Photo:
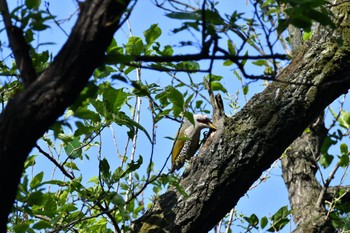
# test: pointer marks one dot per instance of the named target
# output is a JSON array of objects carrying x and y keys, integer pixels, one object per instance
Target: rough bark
[
  {"x": 299, "y": 166},
  {"x": 30, "y": 113},
  {"x": 248, "y": 143}
]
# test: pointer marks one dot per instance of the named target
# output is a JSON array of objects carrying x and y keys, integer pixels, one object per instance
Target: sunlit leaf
[
  {"x": 279, "y": 219},
  {"x": 152, "y": 34},
  {"x": 73, "y": 148},
  {"x": 36, "y": 181},
  {"x": 134, "y": 46}
]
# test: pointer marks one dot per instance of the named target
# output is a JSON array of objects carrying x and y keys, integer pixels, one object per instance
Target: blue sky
[{"x": 263, "y": 200}]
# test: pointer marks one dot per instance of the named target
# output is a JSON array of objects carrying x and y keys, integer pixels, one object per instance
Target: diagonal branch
[{"x": 248, "y": 143}]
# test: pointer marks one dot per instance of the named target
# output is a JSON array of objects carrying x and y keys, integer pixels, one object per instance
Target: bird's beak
[{"x": 211, "y": 126}]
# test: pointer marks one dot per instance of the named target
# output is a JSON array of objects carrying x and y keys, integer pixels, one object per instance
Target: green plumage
[{"x": 187, "y": 140}]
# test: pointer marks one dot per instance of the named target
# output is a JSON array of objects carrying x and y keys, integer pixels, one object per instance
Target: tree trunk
[
  {"x": 248, "y": 143},
  {"x": 299, "y": 166},
  {"x": 30, "y": 113}
]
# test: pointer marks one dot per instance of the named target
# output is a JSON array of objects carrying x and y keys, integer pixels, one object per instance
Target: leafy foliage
[{"x": 86, "y": 186}]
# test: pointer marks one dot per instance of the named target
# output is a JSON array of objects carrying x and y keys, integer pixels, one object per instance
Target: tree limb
[
  {"x": 30, "y": 113},
  {"x": 299, "y": 167},
  {"x": 248, "y": 143}
]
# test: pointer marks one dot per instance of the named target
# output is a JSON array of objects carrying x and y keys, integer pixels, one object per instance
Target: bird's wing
[
  {"x": 180, "y": 139},
  {"x": 178, "y": 144}
]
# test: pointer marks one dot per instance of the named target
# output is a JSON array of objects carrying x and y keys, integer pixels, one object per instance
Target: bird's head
[{"x": 202, "y": 121}]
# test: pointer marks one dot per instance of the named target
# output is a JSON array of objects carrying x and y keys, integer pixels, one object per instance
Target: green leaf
[
  {"x": 167, "y": 51},
  {"x": 117, "y": 174},
  {"x": 89, "y": 92},
  {"x": 177, "y": 99},
  {"x": 263, "y": 222},
  {"x": 152, "y": 34},
  {"x": 30, "y": 161},
  {"x": 326, "y": 160},
  {"x": 140, "y": 89},
  {"x": 344, "y": 149},
  {"x": 85, "y": 113},
  {"x": 41, "y": 224},
  {"x": 307, "y": 36},
  {"x": 133, "y": 166},
  {"x": 260, "y": 62},
  {"x": 279, "y": 219},
  {"x": 344, "y": 158},
  {"x": 344, "y": 161},
  {"x": 244, "y": 61},
  {"x": 84, "y": 129},
  {"x": 114, "y": 99},
  {"x": 245, "y": 89},
  {"x": 184, "y": 15},
  {"x": 231, "y": 48},
  {"x": 199, "y": 103},
  {"x": 36, "y": 181},
  {"x": 238, "y": 75},
  {"x": 33, "y": 4},
  {"x": 213, "y": 17},
  {"x": 21, "y": 228},
  {"x": 253, "y": 220},
  {"x": 73, "y": 148},
  {"x": 189, "y": 66},
  {"x": 56, "y": 182},
  {"x": 321, "y": 17},
  {"x": 228, "y": 63},
  {"x": 122, "y": 119},
  {"x": 100, "y": 107},
  {"x": 345, "y": 118},
  {"x": 134, "y": 46},
  {"x": 189, "y": 117},
  {"x": 217, "y": 86},
  {"x": 116, "y": 199},
  {"x": 71, "y": 165},
  {"x": 119, "y": 77},
  {"x": 105, "y": 168},
  {"x": 213, "y": 77},
  {"x": 35, "y": 198},
  {"x": 189, "y": 100},
  {"x": 68, "y": 208}
]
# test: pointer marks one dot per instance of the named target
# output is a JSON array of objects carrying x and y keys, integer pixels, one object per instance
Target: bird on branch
[{"x": 187, "y": 140}]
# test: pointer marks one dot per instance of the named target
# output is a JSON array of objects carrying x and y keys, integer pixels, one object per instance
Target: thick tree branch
[
  {"x": 248, "y": 143},
  {"x": 299, "y": 167},
  {"x": 30, "y": 113},
  {"x": 19, "y": 46}
]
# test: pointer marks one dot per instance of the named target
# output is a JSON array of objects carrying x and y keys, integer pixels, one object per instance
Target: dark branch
[
  {"x": 202, "y": 56},
  {"x": 60, "y": 167}
]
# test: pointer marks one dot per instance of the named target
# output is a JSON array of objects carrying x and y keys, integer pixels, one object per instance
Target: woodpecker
[{"x": 187, "y": 140}]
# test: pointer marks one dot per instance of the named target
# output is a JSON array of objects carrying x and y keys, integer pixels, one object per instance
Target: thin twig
[
  {"x": 60, "y": 167},
  {"x": 326, "y": 185},
  {"x": 230, "y": 221}
]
